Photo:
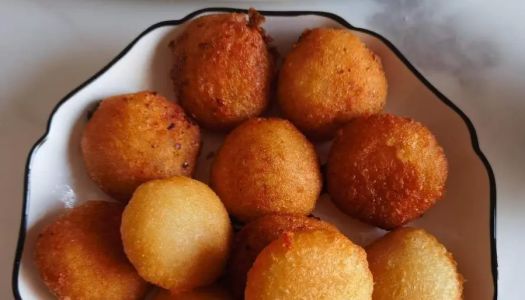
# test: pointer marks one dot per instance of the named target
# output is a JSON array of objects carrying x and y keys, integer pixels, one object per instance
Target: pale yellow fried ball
[
  {"x": 258, "y": 234},
  {"x": 411, "y": 264},
  {"x": 386, "y": 170},
  {"x": 266, "y": 166},
  {"x": 328, "y": 78},
  {"x": 213, "y": 292},
  {"x": 310, "y": 265},
  {"x": 80, "y": 256},
  {"x": 177, "y": 233},
  {"x": 133, "y": 138},
  {"x": 223, "y": 69}
]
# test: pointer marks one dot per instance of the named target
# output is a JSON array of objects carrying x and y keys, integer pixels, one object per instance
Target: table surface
[{"x": 472, "y": 51}]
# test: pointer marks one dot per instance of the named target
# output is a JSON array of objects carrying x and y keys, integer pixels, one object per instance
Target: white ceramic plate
[{"x": 463, "y": 220}]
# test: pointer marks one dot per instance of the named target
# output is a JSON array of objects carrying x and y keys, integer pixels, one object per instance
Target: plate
[{"x": 463, "y": 220}]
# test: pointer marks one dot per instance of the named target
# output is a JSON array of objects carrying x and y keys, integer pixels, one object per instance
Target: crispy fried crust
[
  {"x": 258, "y": 234},
  {"x": 133, "y": 138},
  {"x": 311, "y": 265},
  {"x": 386, "y": 170},
  {"x": 222, "y": 69},
  {"x": 80, "y": 255},
  {"x": 411, "y": 264},
  {"x": 328, "y": 78},
  {"x": 177, "y": 233},
  {"x": 266, "y": 166},
  {"x": 213, "y": 292}
]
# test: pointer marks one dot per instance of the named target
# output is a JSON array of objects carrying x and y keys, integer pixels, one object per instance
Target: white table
[{"x": 473, "y": 51}]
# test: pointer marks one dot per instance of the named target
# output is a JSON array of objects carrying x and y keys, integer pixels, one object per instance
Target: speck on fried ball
[
  {"x": 411, "y": 264},
  {"x": 133, "y": 138},
  {"x": 266, "y": 166},
  {"x": 177, "y": 233},
  {"x": 328, "y": 78},
  {"x": 80, "y": 255},
  {"x": 222, "y": 69}
]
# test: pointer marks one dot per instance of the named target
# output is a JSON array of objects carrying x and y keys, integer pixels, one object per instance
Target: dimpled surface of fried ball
[
  {"x": 411, "y": 264},
  {"x": 222, "y": 69},
  {"x": 133, "y": 138},
  {"x": 258, "y": 234},
  {"x": 80, "y": 255},
  {"x": 386, "y": 170},
  {"x": 266, "y": 166},
  {"x": 328, "y": 78},
  {"x": 177, "y": 233},
  {"x": 310, "y": 265},
  {"x": 213, "y": 292}
]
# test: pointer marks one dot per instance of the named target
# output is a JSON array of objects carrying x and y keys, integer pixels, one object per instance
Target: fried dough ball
[
  {"x": 80, "y": 255},
  {"x": 177, "y": 233},
  {"x": 213, "y": 292},
  {"x": 266, "y": 166},
  {"x": 328, "y": 78},
  {"x": 133, "y": 138},
  {"x": 320, "y": 264},
  {"x": 411, "y": 264},
  {"x": 258, "y": 234},
  {"x": 222, "y": 69},
  {"x": 386, "y": 170}
]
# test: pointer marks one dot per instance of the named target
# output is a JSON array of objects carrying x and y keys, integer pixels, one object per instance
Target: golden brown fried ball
[
  {"x": 80, "y": 255},
  {"x": 133, "y": 138},
  {"x": 410, "y": 264},
  {"x": 177, "y": 233},
  {"x": 328, "y": 78},
  {"x": 310, "y": 265},
  {"x": 386, "y": 170},
  {"x": 213, "y": 292},
  {"x": 258, "y": 234},
  {"x": 266, "y": 166},
  {"x": 223, "y": 69}
]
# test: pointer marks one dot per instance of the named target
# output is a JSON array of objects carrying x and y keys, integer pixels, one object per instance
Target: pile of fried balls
[{"x": 168, "y": 230}]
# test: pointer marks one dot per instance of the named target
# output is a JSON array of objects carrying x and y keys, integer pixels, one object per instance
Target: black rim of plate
[{"x": 340, "y": 20}]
